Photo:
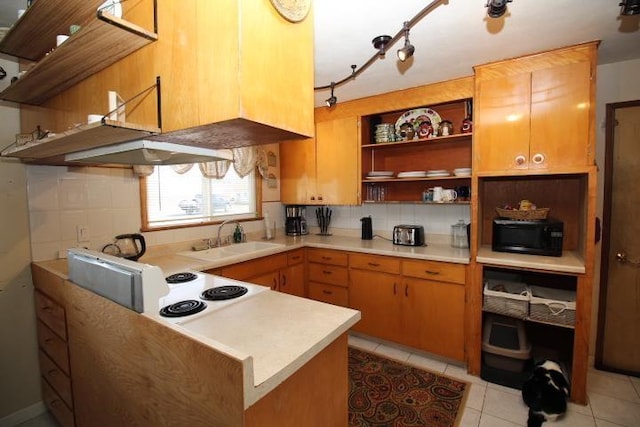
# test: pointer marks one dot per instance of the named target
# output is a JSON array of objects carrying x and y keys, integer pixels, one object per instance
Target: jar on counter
[{"x": 459, "y": 235}]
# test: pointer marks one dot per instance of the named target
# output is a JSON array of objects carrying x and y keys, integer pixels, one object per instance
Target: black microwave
[{"x": 539, "y": 237}]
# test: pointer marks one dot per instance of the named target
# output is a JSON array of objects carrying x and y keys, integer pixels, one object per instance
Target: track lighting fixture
[
  {"x": 331, "y": 101},
  {"x": 497, "y": 8},
  {"x": 630, "y": 7},
  {"x": 407, "y": 50},
  {"x": 380, "y": 43}
]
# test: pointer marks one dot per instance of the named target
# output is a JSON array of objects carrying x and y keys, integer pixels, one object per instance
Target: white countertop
[{"x": 172, "y": 263}]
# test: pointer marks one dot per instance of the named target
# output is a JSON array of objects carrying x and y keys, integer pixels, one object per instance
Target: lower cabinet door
[
  {"x": 292, "y": 280},
  {"x": 269, "y": 279},
  {"x": 377, "y": 297},
  {"x": 336, "y": 295},
  {"x": 433, "y": 316}
]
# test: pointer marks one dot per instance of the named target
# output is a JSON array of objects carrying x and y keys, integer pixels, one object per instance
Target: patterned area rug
[{"x": 387, "y": 393}]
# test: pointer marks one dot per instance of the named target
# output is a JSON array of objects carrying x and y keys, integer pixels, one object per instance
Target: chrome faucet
[{"x": 218, "y": 242}]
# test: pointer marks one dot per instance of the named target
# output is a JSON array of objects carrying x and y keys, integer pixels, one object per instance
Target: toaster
[{"x": 408, "y": 235}]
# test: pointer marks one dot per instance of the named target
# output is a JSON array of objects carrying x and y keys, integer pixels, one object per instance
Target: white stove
[
  {"x": 202, "y": 294},
  {"x": 145, "y": 289}
]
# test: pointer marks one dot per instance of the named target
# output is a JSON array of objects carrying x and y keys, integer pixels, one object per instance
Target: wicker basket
[
  {"x": 555, "y": 306},
  {"x": 540, "y": 213},
  {"x": 506, "y": 297}
]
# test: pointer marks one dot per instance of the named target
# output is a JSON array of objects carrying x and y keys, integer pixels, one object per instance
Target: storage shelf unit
[
  {"x": 83, "y": 137},
  {"x": 441, "y": 152},
  {"x": 95, "y": 47}
]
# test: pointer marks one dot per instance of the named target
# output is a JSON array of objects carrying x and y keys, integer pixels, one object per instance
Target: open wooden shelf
[
  {"x": 94, "y": 47},
  {"x": 83, "y": 137},
  {"x": 423, "y": 141}
]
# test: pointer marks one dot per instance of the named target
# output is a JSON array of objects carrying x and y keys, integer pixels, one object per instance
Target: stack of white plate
[
  {"x": 437, "y": 173},
  {"x": 412, "y": 174},
  {"x": 462, "y": 171},
  {"x": 385, "y": 132},
  {"x": 379, "y": 175}
]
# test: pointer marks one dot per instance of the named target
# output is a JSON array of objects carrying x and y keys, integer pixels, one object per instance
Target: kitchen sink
[{"x": 234, "y": 250}]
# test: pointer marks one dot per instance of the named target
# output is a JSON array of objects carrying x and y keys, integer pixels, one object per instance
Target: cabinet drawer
[
  {"x": 53, "y": 346},
  {"x": 51, "y": 313},
  {"x": 330, "y": 274},
  {"x": 255, "y": 267},
  {"x": 433, "y": 270},
  {"x": 56, "y": 405},
  {"x": 375, "y": 263},
  {"x": 48, "y": 283},
  {"x": 328, "y": 256},
  {"x": 56, "y": 378},
  {"x": 295, "y": 256},
  {"x": 335, "y": 295}
]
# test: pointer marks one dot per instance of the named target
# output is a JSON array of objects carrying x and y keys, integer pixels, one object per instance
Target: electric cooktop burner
[
  {"x": 181, "y": 277},
  {"x": 183, "y": 308},
  {"x": 223, "y": 292}
]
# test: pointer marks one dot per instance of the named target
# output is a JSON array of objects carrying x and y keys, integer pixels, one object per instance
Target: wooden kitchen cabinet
[
  {"x": 324, "y": 170},
  {"x": 328, "y": 276},
  {"x": 53, "y": 353},
  {"x": 282, "y": 272},
  {"x": 535, "y": 114},
  {"x": 291, "y": 279},
  {"x": 416, "y": 303}
]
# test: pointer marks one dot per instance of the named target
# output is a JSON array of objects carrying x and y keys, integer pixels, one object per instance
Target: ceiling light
[
  {"x": 630, "y": 7},
  {"x": 408, "y": 49},
  {"x": 331, "y": 101},
  {"x": 497, "y": 8}
]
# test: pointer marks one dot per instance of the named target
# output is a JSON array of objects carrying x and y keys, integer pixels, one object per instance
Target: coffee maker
[{"x": 295, "y": 221}]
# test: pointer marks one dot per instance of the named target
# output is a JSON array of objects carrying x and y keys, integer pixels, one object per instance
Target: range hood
[{"x": 145, "y": 152}]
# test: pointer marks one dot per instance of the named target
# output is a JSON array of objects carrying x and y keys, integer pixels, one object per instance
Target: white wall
[
  {"x": 19, "y": 384},
  {"x": 617, "y": 82}
]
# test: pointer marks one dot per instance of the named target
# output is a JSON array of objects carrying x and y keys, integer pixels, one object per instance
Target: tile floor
[{"x": 614, "y": 400}]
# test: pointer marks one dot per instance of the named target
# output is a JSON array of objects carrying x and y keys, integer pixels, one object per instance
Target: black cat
[{"x": 545, "y": 393}]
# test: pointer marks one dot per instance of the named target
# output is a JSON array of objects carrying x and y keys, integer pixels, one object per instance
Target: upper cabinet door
[
  {"x": 501, "y": 129},
  {"x": 560, "y": 116},
  {"x": 297, "y": 171},
  {"x": 338, "y": 162}
]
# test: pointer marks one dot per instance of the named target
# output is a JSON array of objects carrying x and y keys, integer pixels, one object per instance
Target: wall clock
[{"x": 292, "y": 10}]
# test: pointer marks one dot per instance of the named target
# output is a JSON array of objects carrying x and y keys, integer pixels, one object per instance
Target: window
[{"x": 171, "y": 200}]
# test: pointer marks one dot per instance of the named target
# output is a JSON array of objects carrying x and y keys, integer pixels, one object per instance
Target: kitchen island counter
[{"x": 262, "y": 351}]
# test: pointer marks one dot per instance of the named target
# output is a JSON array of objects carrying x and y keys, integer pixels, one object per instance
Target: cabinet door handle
[
  {"x": 406, "y": 290},
  {"x": 319, "y": 197},
  {"x": 538, "y": 158},
  {"x": 432, "y": 273},
  {"x": 275, "y": 284},
  {"x": 284, "y": 280},
  {"x": 520, "y": 160},
  {"x": 374, "y": 264},
  {"x": 326, "y": 258},
  {"x": 52, "y": 373},
  {"x": 394, "y": 287},
  {"x": 296, "y": 257},
  {"x": 326, "y": 272},
  {"x": 324, "y": 291}
]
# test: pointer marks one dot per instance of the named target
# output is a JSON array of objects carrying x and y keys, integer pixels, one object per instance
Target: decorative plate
[
  {"x": 417, "y": 117},
  {"x": 292, "y": 10}
]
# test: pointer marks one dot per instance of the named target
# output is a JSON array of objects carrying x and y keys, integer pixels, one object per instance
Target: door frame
[{"x": 610, "y": 126}]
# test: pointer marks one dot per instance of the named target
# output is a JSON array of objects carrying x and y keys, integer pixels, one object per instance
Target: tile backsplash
[{"x": 107, "y": 202}]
